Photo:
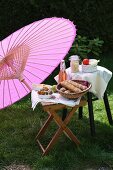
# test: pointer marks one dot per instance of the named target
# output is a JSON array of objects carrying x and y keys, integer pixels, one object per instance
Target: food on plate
[
  {"x": 45, "y": 90},
  {"x": 53, "y": 88},
  {"x": 42, "y": 92}
]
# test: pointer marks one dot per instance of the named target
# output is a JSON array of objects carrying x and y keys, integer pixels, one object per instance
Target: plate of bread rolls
[{"x": 72, "y": 89}]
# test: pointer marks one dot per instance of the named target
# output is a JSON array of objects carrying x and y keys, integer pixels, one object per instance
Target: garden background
[{"x": 18, "y": 128}]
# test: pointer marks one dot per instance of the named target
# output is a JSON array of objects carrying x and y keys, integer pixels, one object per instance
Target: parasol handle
[{"x": 23, "y": 81}]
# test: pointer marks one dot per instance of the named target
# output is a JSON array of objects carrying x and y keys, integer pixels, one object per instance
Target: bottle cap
[{"x": 74, "y": 57}]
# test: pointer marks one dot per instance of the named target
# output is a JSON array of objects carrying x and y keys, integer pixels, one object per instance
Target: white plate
[
  {"x": 38, "y": 87},
  {"x": 45, "y": 96}
]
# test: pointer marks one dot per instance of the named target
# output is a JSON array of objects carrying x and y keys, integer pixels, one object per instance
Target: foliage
[
  {"x": 85, "y": 47},
  {"x": 92, "y": 18}
]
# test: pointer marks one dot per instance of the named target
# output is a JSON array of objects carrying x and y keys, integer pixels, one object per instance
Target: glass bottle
[{"x": 62, "y": 73}]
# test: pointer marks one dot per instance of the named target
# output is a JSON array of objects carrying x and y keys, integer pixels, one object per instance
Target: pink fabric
[
  {"x": 13, "y": 64},
  {"x": 32, "y": 52}
]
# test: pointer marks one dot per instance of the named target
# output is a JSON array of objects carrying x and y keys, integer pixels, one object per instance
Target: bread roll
[
  {"x": 78, "y": 85},
  {"x": 62, "y": 89},
  {"x": 67, "y": 91},
  {"x": 70, "y": 87}
]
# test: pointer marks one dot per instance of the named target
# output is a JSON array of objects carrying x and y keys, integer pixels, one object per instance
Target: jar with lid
[
  {"x": 62, "y": 73},
  {"x": 74, "y": 63}
]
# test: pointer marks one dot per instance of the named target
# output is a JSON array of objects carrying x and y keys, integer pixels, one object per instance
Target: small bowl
[{"x": 89, "y": 68}]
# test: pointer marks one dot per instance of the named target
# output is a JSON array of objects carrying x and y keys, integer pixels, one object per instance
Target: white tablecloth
[
  {"x": 57, "y": 98},
  {"x": 99, "y": 79}
]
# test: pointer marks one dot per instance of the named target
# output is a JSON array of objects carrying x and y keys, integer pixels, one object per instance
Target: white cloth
[
  {"x": 57, "y": 98},
  {"x": 98, "y": 79}
]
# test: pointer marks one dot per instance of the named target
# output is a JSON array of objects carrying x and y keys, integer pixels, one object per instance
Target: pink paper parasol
[{"x": 30, "y": 55}]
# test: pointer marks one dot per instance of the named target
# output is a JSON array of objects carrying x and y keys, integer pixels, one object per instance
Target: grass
[{"x": 19, "y": 125}]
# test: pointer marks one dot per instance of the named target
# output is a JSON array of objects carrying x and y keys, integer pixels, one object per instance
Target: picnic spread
[{"x": 69, "y": 93}]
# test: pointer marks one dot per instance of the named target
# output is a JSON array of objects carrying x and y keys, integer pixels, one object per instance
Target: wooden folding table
[{"x": 52, "y": 110}]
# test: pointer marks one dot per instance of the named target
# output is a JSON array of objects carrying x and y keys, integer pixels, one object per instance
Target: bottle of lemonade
[{"x": 62, "y": 73}]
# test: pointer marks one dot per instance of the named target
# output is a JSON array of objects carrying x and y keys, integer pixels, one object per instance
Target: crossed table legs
[{"x": 52, "y": 111}]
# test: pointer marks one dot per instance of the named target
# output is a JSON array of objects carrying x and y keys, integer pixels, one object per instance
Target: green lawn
[{"x": 19, "y": 125}]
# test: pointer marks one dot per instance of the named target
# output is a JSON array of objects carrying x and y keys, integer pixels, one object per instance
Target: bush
[
  {"x": 87, "y": 48},
  {"x": 93, "y": 18}
]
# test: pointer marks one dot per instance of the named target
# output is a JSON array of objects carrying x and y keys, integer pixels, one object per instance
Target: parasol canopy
[{"x": 30, "y": 55}]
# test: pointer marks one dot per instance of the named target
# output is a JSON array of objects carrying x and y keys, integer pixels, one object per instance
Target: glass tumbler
[{"x": 74, "y": 63}]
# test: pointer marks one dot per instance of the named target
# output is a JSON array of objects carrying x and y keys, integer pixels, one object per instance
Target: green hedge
[{"x": 93, "y": 18}]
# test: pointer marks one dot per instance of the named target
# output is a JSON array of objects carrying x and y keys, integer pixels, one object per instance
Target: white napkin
[{"x": 57, "y": 98}]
